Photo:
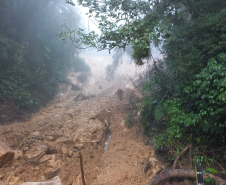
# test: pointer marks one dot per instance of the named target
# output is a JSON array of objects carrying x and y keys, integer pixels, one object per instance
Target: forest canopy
[{"x": 33, "y": 59}]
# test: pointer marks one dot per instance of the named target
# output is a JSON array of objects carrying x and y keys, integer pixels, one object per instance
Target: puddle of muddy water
[{"x": 108, "y": 136}]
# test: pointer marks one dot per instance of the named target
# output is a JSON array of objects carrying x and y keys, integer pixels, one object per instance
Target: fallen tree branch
[
  {"x": 82, "y": 171},
  {"x": 178, "y": 157},
  {"x": 181, "y": 173}
]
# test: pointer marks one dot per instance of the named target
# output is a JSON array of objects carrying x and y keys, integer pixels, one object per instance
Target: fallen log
[{"x": 180, "y": 173}]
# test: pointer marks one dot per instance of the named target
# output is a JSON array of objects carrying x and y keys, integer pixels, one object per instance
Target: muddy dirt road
[{"x": 91, "y": 120}]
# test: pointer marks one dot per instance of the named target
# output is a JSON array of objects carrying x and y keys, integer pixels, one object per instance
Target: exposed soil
[{"x": 47, "y": 144}]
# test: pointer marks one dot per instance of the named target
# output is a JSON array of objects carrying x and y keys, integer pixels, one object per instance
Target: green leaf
[{"x": 212, "y": 170}]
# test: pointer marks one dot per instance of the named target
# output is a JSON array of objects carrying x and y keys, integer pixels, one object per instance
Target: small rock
[
  {"x": 33, "y": 153},
  {"x": 54, "y": 137},
  {"x": 43, "y": 177},
  {"x": 47, "y": 157},
  {"x": 56, "y": 181},
  {"x": 50, "y": 138},
  {"x": 64, "y": 150},
  {"x": 79, "y": 146},
  {"x": 37, "y": 168},
  {"x": 153, "y": 162},
  {"x": 25, "y": 149},
  {"x": 18, "y": 154},
  {"x": 43, "y": 148},
  {"x": 70, "y": 153},
  {"x": 36, "y": 135},
  {"x": 65, "y": 140},
  {"x": 6, "y": 154}
]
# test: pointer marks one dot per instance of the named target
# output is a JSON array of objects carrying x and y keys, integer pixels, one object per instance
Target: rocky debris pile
[
  {"x": 6, "y": 154},
  {"x": 48, "y": 144}
]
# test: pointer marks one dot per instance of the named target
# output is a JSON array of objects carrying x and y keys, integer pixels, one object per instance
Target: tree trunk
[{"x": 180, "y": 173}]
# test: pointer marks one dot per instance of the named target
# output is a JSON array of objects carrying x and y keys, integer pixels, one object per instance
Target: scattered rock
[
  {"x": 64, "y": 150},
  {"x": 70, "y": 153},
  {"x": 32, "y": 153},
  {"x": 79, "y": 146},
  {"x": 56, "y": 181},
  {"x": 50, "y": 138},
  {"x": 18, "y": 154},
  {"x": 54, "y": 137},
  {"x": 25, "y": 149},
  {"x": 65, "y": 140},
  {"x": 6, "y": 154},
  {"x": 37, "y": 168},
  {"x": 43, "y": 148},
  {"x": 51, "y": 162},
  {"x": 36, "y": 135},
  {"x": 153, "y": 162}
]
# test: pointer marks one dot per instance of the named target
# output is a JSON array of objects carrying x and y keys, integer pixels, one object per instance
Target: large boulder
[
  {"x": 55, "y": 181},
  {"x": 6, "y": 153}
]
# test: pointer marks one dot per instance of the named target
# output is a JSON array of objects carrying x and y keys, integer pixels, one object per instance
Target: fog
[{"x": 99, "y": 60}]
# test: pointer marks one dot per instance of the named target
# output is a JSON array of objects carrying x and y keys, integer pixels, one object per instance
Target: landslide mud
[{"x": 68, "y": 125}]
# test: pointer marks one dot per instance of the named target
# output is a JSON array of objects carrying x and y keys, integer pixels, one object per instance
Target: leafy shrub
[{"x": 204, "y": 105}]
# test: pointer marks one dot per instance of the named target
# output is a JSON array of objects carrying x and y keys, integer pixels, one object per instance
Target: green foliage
[
  {"x": 204, "y": 101},
  {"x": 140, "y": 53},
  {"x": 159, "y": 112},
  {"x": 33, "y": 61},
  {"x": 209, "y": 180},
  {"x": 212, "y": 170}
]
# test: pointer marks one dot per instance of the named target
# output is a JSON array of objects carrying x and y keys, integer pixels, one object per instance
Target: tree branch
[
  {"x": 177, "y": 158},
  {"x": 181, "y": 173}
]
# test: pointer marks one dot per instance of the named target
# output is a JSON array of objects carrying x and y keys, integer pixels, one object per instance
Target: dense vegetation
[
  {"x": 186, "y": 88},
  {"x": 33, "y": 59}
]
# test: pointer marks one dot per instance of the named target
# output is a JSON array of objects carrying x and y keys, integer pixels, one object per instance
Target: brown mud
[{"x": 48, "y": 143}]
